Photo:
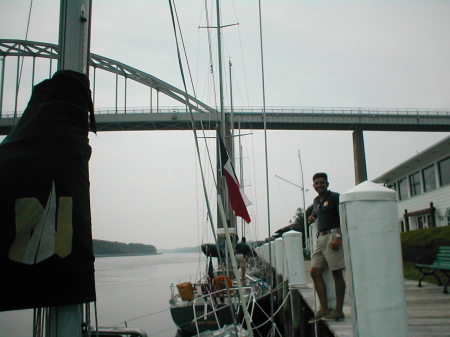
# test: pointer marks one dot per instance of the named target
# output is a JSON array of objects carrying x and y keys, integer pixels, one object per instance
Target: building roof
[{"x": 420, "y": 160}]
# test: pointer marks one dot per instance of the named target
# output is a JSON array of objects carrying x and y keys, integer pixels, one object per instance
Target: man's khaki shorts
[
  {"x": 324, "y": 255},
  {"x": 241, "y": 260}
]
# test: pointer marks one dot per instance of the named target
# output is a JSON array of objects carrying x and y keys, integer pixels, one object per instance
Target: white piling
[
  {"x": 279, "y": 256},
  {"x": 272, "y": 258},
  {"x": 373, "y": 258},
  {"x": 265, "y": 252},
  {"x": 294, "y": 259},
  {"x": 285, "y": 270}
]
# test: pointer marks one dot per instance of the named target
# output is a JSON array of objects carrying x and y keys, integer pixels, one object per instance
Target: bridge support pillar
[{"x": 359, "y": 157}]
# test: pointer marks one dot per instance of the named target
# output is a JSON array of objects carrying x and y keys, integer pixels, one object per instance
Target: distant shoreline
[
  {"x": 131, "y": 254},
  {"x": 114, "y": 248}
]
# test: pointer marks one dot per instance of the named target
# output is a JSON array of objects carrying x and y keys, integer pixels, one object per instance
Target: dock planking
[{"x": 428, "y": 311}]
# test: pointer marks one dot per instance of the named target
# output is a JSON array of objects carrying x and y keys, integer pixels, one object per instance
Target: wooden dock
[{"x": 428, "y": 310}]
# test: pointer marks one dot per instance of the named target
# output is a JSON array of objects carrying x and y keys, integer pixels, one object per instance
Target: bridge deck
[{"x": 284, "y": 120}]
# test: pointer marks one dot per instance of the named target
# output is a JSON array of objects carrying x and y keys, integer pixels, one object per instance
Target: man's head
[
  {"x": 243, "y": 239},
  {"x": 320, "y": 182}
]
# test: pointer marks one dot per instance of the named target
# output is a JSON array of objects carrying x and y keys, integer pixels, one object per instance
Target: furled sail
[{"x": 46, "y": 254}]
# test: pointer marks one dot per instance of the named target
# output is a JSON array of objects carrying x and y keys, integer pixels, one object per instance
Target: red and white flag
[{"x": 238, "y": 200}]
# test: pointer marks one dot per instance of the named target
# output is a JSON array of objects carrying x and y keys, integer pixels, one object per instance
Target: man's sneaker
[{"x": 333, "y": 316}]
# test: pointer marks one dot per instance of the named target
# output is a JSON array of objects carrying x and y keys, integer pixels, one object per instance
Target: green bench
[{"x": 441, "y": 262}]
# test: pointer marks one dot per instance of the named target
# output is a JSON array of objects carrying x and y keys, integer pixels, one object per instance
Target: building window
[
  {"x": 415, "y": 184},
  {"x": 402, "y": 189},
  {"x": 444, "y": 171},
  {"x": 429, "y": 178},
  {"x": 420, "y": 222},
  {"x": 448, "y": 217}
]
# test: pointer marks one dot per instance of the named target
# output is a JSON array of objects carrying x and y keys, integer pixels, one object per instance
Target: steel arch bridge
[
  {"x": 177, "y": 118},
  {"x": 22, "y": 48}
]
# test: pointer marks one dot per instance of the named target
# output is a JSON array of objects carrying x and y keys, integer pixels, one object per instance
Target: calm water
[{"x": 134, "y": 289}]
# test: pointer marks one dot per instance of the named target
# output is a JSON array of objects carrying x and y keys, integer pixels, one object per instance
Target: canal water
[{"x": 131, "y": 290}]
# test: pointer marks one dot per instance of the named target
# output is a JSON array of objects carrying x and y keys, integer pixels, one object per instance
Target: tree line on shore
[{"x": 102, "y": 247}]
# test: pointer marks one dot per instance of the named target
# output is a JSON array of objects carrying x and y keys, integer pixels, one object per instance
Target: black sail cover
[{"x": 46, "y": 253}]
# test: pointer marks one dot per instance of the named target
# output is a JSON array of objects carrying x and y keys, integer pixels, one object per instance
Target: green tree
[{"x": 298, "y": 222}]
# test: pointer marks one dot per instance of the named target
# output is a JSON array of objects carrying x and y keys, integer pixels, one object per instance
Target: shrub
[{"x": 423, "y": 243}]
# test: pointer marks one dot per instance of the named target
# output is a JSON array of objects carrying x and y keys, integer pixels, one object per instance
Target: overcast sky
[{"x": 145, "y": 186}]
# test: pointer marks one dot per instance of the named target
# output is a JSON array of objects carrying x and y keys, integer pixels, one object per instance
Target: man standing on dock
[{"x": 328, "y": 250}]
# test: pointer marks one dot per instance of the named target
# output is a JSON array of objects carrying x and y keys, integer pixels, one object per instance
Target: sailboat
[{"x": 217, "y": 303}]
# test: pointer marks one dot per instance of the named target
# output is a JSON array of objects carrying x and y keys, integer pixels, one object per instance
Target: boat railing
[{"x": 210, "y": 298}]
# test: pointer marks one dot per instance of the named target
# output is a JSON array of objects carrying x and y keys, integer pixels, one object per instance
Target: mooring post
[
  {"x": 279, "y": 257},
  {"x": 373, "y": 258},
  {"x": 283, "y": 283},
  {"x": 279, "y": 266},
  {"x": 296, "y": 275}
]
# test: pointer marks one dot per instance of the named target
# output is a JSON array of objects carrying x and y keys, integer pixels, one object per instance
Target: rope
[
  {"x": 242, "y": 57},
  {"x": 140, "y": 317},
  {"x": 21, "y": 64},
  {"x": 192, "y": 83},
  {"x": 210, "y": 54},
  {"x": 26, "y": 37},
  {"x": 275, "y": 313},
  {"x": 265, "y": 145},
  {"x": 184, "y": 49},
  {"x": 194, "y": 130}
]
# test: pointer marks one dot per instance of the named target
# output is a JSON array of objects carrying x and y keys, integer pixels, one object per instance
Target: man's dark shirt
[
  {"x": 242, "y": 248},
  {"x": 327, "y": 211}
]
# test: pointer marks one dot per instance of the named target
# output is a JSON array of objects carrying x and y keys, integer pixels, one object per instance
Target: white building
[{"x": 423, "y": 187}]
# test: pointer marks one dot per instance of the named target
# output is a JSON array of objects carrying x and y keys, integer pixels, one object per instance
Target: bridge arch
[{"x": 22, "y": 48}]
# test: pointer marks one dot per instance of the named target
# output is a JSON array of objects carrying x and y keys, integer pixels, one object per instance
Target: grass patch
[{"x": 422, "y": 244}]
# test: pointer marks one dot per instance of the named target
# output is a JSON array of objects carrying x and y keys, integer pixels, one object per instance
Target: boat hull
[{"x": 183, "y": 317}]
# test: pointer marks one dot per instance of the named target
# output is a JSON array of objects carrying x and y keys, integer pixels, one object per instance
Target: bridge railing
[
  {"x": 269, "y": 110},
  {"x": 285, "y": 109}
]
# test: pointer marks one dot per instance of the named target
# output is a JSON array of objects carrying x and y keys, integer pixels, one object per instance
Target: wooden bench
[{"x": 441, "y": 262}]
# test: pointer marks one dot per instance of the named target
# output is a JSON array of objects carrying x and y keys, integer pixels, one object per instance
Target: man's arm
[{"x": 313, "y": 216}]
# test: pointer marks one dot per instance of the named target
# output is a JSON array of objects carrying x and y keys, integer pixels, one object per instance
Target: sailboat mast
[
  {"x": 231, "y": 108},
  {"x": 224, "y": 128},
  {"x": 230, "y": 143},
  {"x": 221, "y": 213},
  {"x": 219, "y": 55},
  {"x": 74, "y": 35},
  {"x": 74, "y": 44},
  {"x": 221, "y": 126}
]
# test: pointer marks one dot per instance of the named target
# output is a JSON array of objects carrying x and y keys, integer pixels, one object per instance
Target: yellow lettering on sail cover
[
  {"x": 29, "y": 211},
  {"x": 63, "y": 242}
]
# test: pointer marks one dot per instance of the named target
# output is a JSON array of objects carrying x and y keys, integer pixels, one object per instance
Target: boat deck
[{"x": 428, "y": 310}]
